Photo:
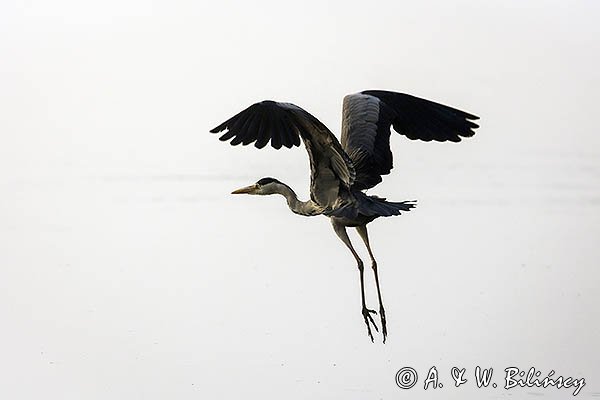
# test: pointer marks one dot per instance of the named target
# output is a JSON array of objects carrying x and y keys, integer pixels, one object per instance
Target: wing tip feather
[{"x": 218, "y": 129}]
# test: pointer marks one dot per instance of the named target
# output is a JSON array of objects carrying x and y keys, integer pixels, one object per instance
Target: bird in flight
[{"x": 341, "y": 172}]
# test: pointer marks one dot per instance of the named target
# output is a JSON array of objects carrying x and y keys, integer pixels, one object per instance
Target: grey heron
[{"x": 342, "y": 171}]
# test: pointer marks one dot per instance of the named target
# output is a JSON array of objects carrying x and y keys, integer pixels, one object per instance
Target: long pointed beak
[{"x": 245, "y": 190}]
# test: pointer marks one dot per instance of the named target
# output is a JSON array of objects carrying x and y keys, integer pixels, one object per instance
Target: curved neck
[{"x": 306, "y": 208}]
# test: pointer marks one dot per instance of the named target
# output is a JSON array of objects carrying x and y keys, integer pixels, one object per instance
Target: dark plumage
[
  {"x": 341, "y": 171},
  {"x": 369, "y": 115},
  {"x": 267, "y": 180}
]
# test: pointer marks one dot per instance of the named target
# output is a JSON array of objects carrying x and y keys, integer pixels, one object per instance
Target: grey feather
[
  {"x": 285, "y": 124},
  {"x": 368, "y": 116}
]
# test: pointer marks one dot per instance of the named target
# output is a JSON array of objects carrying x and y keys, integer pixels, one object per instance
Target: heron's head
[{"x": 263, "y": 187}]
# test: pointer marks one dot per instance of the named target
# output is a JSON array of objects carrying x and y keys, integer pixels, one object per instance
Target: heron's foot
[
  {"x": 383, "y": 326},
  {"x": 369, "y": 320}
]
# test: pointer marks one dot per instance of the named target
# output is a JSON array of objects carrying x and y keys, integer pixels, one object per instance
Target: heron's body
[
  {"x": 352, "y": 222},
  {"x": 341, "y": 171}
]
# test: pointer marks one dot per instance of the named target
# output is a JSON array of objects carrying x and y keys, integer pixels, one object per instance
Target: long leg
[
  {"x": 362, "y": 231},
  {"x": 340, "y": 230}
]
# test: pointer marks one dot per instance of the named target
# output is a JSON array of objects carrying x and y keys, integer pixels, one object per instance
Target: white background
[{"x": 127, "y": 271}]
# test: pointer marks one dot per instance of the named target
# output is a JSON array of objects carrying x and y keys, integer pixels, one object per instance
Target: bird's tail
[
  {"x": 374, "y": 205},
  {"x": 389, "y": 208},
  {"x": 406, "y": 205},
  {"x": 371, "y": 206}
]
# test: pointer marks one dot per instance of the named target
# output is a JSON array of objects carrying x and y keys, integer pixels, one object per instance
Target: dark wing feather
[
  {"x": 369, "y": 115},
  {"x": 284, "y": 124}
]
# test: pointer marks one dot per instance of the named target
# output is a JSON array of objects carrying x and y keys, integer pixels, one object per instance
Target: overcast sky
[{"x": 135, "y": 85}]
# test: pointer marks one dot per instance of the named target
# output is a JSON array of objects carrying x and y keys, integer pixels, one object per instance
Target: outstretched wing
[
  {"x": 368, "y": 116},
  {"x": 284, "y": 124}
]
